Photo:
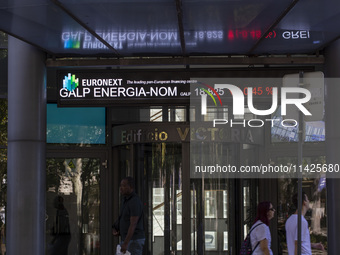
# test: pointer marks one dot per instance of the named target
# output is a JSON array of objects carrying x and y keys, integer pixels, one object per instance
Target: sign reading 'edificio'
[{"x": 117, "y": 88}]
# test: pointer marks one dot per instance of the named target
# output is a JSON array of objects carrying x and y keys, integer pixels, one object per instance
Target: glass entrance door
[
  {"x": 72, "y": 206},
  {"x": 213, "y": 206},
  {"x": 222, "y": 208},
  {"x": 216, "y": 209},
  {"x": 157, "y": 168},
  {"x": 211, "y": 216}
]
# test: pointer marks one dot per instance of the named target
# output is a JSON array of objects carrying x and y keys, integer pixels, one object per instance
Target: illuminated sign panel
[
  {"x": 145, "y": 40},
  {"x": 136, "y": 39},
  {"x": 112, "y": 87}
]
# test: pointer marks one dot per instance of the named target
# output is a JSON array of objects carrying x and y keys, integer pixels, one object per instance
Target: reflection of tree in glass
[
  {"x": 54, "y": 172},
  {"x": 3, "y": 39},
  {"x": 79, "y": 177},
  {"x": 3, "y": 122},
  {"x": 3, "y": 184},
  {"x": 165, "y": 172},
  {"x": 90, "y": 195},
  {"x": 3, "y": 136},
  {"x": 3, "y": 52},
  {"x": 3, "y": 155}
]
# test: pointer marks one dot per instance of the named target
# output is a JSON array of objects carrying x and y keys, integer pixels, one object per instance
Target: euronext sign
[{"x": 112, "y": 87}]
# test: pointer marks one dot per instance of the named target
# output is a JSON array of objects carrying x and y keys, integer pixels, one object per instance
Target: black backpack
[{"x": 246, "y": 245}]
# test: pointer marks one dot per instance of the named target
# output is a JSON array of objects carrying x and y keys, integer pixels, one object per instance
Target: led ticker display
[
  {"x": 137, "y": 39},
  {"x": 144, "y": 40},
  {"x": 110, "y": 87},
  {"x": 274, "y": 34},
  {"x": 259, "y": 91},
  {"x": 244, "y": 34}
]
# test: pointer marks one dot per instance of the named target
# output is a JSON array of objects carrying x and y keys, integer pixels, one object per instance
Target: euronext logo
[{"x": 70, "y": 82}]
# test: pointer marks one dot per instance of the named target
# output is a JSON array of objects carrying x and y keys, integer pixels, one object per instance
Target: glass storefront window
[
  {"x": 225, "y": 204},
  {"x": 159, "y": 213},
  {"x": 247, "y": 115},
  {"x": 216, "y": 113},
  {"x": 315, "y": 188},
  {"x": 160, "y": 189},
  {"x": 192, "y": 113},
  {"x": 75, "y": 125},
  {"x": 177, "y": 114},
  {"x": 72, "y": 205},
  {"x": 210, "y": 221},
  {"x": 126, "y": 115},
  {"x": 210, "y": 207},
  {"x": 314, "y": 130},
  {"x": 156, "y": 114}
]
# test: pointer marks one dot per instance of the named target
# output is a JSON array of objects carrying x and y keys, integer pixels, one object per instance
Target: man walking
[
  {"x": 130, "y": 223},
  {"x": 292, "y": 230}
]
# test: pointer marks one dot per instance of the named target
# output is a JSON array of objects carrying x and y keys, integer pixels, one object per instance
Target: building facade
[{"x": 62, "y": 142}]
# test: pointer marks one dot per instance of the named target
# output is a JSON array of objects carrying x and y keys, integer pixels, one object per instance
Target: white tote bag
[{"x": 118, "y": 252}]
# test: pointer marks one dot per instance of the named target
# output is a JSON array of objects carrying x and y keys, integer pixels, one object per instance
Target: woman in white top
[{"x": 260, "y": 234}]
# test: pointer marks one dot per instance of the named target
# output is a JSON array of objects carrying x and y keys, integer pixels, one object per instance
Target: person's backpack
[{"x": 246, "y": 245}]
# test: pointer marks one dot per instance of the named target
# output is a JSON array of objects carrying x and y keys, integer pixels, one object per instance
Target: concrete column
[
  {"x": 332, "y": 104},
  {"x": 26, "y": 165}
]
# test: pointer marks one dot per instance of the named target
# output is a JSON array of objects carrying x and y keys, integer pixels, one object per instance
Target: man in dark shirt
[{"x": 130, "y": 222}]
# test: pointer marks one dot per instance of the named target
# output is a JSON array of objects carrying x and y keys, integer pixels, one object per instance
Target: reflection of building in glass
[
  {"x": 314, "y": 131},
  {"x": 316, "y": 216}
]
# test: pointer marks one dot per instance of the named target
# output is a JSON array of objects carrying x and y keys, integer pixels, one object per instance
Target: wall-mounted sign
[
  {"x": 175, "y": 132},
  {"x": 111, "y": 87}
]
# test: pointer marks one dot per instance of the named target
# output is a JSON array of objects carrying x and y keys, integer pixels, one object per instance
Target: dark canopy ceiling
[{"x": 126, "y": 28}]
